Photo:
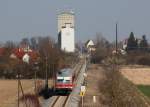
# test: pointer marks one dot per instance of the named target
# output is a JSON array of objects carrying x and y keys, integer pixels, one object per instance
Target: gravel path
[{"x": 95, "y": 78}]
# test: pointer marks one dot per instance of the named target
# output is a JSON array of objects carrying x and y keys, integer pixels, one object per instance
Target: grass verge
[{"x": 145, "y": 89}]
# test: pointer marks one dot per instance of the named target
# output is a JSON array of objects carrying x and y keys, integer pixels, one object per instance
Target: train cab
[{"x": 64, "y": 80}]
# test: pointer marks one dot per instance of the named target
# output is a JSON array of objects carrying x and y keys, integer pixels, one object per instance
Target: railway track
[{"x": 61, "y": 101}]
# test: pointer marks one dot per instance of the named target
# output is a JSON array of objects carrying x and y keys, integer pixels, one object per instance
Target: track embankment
[
  {"x": 94, "y": 96},
  {"x": 107, "y": 87},
  {"x": 121, "y": 91}
]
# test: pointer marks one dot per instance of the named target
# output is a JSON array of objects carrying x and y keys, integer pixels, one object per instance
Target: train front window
[
  {"x": 63, "y": 81},
  {"x": 66, "y": 81},
  {"x": 60, "y": 80}
]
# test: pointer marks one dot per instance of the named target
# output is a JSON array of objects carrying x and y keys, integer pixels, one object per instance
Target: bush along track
[{"x": 120, "y": 91}]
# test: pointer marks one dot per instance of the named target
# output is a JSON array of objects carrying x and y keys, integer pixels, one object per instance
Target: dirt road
[
  {"x": 112, "y": 90},
  {"x": 95, "y": 78}
]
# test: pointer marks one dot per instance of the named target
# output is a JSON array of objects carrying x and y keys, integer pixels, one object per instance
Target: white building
[
  {"x": 66, "y": 31},
  {"x": 65, "y": 17},
  {"x": 66, "y": 39},
  {"x": 90, "y": 45},
  {"x": 124, "y": 44}
]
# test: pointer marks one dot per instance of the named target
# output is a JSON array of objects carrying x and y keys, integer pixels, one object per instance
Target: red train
[{"x": 64, "y": 80}]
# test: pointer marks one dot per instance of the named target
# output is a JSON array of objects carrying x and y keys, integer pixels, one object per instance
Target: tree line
[
  {"x": 137, "y": 44},
  {"x": 137, "y": 50},
  {"x": 48, "y": 57}
]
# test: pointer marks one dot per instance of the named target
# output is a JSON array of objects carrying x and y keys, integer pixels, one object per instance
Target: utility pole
[
  {"x": 46, "y": 81},
  {"x": 116, "y": 38},
  {"x": 54, "y": 75},
  {"x": 117, "y": 53},
  {"x": 36, "y": 68},
  {"x": 18, "y": 88}
]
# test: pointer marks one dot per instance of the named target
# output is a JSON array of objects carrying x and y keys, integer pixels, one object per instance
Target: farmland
[
  {"x": 145, "y": 89},
  {"x": 8, "y": 89},
  {"x": 139, "y": 76}
]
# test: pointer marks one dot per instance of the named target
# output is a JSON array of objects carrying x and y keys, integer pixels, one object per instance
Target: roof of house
[
  {"x": 2, "y": 50},
  {"x": 89, "y": 42},
  {"x": 20, "y": 53}
]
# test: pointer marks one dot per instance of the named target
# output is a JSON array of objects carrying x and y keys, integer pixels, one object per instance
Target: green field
[{"x": 145, "y": 89}]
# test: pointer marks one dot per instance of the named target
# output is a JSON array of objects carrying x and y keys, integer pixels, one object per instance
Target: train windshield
[
  {"x": 65, "y": 73},
  {"x": 59, "y": 80},
  {"x": 67, "y": 81},
  {"x": 63, "y": 81}
]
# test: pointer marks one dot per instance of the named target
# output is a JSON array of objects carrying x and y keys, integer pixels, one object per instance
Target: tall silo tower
[
  {"x": 65, "y": 17},
  {"x": 66, "y": 31}
]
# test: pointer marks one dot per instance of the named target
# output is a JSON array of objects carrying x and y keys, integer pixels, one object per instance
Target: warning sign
[
  {"x": 82, "y": 92},
  {"x": 82, "y": 88}
]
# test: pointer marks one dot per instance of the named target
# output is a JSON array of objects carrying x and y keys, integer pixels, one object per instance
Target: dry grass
[
  {"x": 8, "y": 89},
  {"x": 30, "y": 100},
  {"x": 122, "y": 93},
  {"x": 139, "y": 76},
  {"x": 95, "y": 78},
  {"x": 111, "y": 89}
]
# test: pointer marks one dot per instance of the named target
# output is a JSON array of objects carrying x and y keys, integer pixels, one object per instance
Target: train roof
[{"x": 65, "y": 72}]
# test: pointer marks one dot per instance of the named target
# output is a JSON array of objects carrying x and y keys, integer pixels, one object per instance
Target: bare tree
[{"x": 102, "y": 49}]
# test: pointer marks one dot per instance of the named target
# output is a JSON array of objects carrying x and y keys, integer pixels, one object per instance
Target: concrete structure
[
  {"x": 65, "y": 17},
  {"x": 66, "y": 34},
  {"x": 66, "y": 39}
]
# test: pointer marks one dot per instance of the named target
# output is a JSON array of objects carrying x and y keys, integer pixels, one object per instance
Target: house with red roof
[
  {"x": 20, "y": 52},
  {"x": 2, "y": 51}
]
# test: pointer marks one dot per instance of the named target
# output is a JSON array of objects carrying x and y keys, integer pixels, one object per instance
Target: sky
[{"x": 28, "y": 18}]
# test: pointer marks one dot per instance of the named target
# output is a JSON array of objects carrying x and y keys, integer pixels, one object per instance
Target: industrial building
[
  {"x": 65, "y": 17},
  {"x": 66, "y": 33}
]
